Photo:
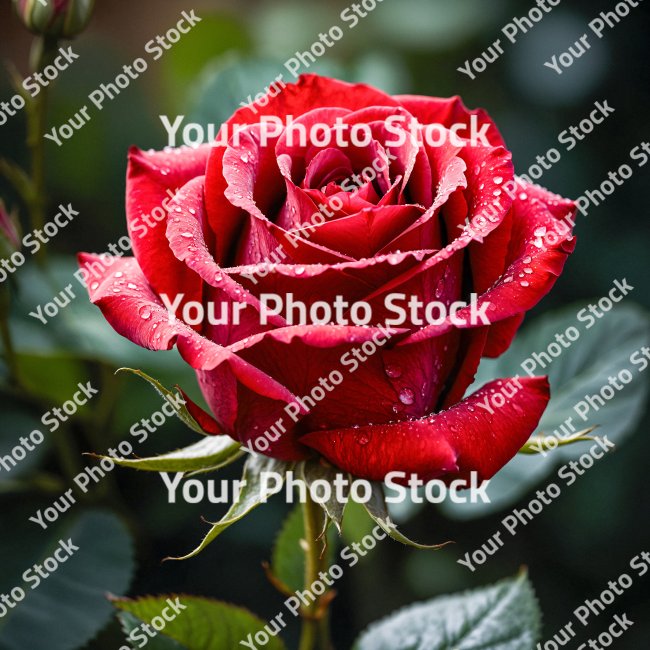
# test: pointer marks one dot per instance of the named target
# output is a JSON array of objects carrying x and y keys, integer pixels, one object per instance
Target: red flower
[{"x": 438, "y": 223}]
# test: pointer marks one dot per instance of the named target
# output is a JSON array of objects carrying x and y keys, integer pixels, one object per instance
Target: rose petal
[
  {"x": 186, "y": 241},
  {"x": 134, "y": 311},
  {"x": 435, "y": 110},
  {"x": 363, "y": 234},
  {"x": 152, "y": 180},
  {"x": 501, "y": 334},
  {"x": 464, "y": 439}
]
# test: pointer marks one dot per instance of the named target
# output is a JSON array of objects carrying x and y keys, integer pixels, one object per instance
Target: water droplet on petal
[
  {"x": 406, "y": 396},
  {"x": 192, "y": 211},
  {"x": 119, "y": 274},
  {"x": 529, "y": 271},
  {"x": 496, "y": 192},
  {"x": 94, "y": 285},
  {"x": 523, "y": 283},
  {"x": 470, "y": 409},
  {"x": 244, "y": 158},
  {"x": 394, "y": 370},
  {"x": 540, "y": 232},
  {"x": 187, "y": 235},
  {"x": 145, "y": 312},
  {"x": 440, "y": 288},
  {"x": 498, "y": 180},
  {"x": 508, "y": 279},
  {"x": 132, "y": 286},
  {"x": 523, "y": 196},
  {"x": 527, "y": 260},
  {"x": 300, "y": 270}
]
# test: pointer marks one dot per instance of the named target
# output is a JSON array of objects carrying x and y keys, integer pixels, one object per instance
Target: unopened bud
[{"x": 57, "y": 18}]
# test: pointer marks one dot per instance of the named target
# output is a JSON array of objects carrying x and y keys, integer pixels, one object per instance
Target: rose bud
[
  {"x": 9, "y": 232},
  {"x": 58, "y": 18},
  {"x": 346, "y": 195}
]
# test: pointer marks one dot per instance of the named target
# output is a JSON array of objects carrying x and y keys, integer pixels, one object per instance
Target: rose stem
[{"x": 315, "y": 633}]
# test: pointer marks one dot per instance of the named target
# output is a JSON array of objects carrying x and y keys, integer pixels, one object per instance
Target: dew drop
[
  {"x": 523, "y": 196},
  {"x": 119, "y": 274},
  {"x": 540, "y": 232},
  {"x": 527, "y": 260},
  {"x": 300, "y": 270},
  {"x": 524, "y": 283},
  {"x": 94, "y": 285},
  {"x": 470, "y": 409},
  {"x": 440, "y": 288},
  {"x": 498, "y": 180},
  {"x": 508, "y": 279},
  {"x": 187, "y": 235},
  {"x": 406, "y": 396},
  {"x": 529, "y": 271},
  {"x": 496, "y": 192},
  {"x": 145, "y": 313},
  {"x": 394, "y": 370},
  {"x": 398, "y": 408},
  {"x": 192, "y": 211},
  {"x": 244, "y": 158},
  {"x": 132, "y": 286},
  {"x": 179, "y": 209}
]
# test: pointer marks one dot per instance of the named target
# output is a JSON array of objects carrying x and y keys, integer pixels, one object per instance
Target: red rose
[{"x": 442, "y": 219}]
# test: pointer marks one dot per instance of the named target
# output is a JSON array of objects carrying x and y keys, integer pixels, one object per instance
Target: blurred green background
[{"x": 404, "y": 46}]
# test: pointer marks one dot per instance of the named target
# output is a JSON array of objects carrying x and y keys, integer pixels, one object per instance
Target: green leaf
[
  {"x": 314, "y": 470},
  {"x": 288, "y": 561},
  {"x": 211, "y": 453},
  {"x": 204, "y": 624},
  {"x": 69, "y": 607},
  {"x": 250, "y": 496},
  {"x": 504, "y": 616},
  {"x": 173, "y": 398},
  {"x": 600, "y": 352},
  {"x": 378, "y": 510},
  {"x": 159, "y": 642}
]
